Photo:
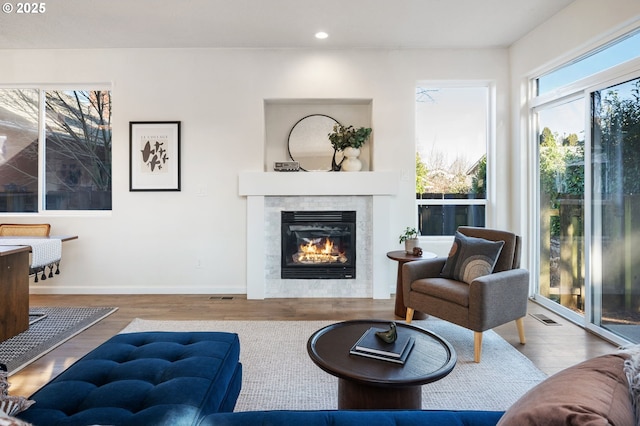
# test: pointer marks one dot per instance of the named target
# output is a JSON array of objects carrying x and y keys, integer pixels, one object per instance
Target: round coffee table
[{"x": 366, "y": 383}]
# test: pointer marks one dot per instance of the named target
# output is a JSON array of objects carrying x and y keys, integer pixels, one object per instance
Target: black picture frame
[{"x": 154, "y": 156}]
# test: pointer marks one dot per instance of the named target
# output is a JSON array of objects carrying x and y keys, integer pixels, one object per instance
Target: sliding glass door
[
  {"x": 615, "y": 163},
  {"x": 589, "y": 204},
  {"x": 585, "y": 118}
]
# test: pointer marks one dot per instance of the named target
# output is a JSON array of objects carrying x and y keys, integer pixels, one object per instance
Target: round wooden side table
[{"x": 403, "y": 257}]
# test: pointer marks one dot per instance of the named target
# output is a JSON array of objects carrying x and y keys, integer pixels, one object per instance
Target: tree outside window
[
  {"x": 451, "y": 161},
  {"x": 77, "y": 150}
]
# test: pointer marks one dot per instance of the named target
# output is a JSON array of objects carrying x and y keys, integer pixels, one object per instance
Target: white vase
[
  {"x": 410, "y": 244},
  {"x": 351, "y": 162}
]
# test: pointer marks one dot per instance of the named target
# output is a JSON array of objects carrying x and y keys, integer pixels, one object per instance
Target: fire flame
[{"x": 314, "y": 251}]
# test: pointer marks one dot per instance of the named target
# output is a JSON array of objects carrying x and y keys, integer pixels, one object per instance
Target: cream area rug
[{"x": 279, "y": 375}]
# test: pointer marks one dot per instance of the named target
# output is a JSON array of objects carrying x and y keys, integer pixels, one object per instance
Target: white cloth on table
[{"x": 44, "y": 251}]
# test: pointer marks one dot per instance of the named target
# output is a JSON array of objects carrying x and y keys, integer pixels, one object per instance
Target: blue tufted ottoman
[{"x": 151, "y": 378}]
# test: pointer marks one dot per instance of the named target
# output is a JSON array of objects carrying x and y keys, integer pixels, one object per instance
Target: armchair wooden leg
[
  {"x": 409, "y": 315},
  {"x": 520, "y": 325},
  {"x": 477, "y": 345}
]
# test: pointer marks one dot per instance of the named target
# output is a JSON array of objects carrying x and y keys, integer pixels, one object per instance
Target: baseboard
[{"x": 36, "y": 289}]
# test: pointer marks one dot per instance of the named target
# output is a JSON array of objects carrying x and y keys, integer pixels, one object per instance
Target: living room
[
  {"x": 198, "y": 240},
  {"x": 223, "y": 136}
]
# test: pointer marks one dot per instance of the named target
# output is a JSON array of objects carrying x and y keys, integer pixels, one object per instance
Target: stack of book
[{"x": 371, "y": 346}]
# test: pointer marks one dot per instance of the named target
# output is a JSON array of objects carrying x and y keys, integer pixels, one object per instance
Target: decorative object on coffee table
[
  {"x": 390, "y": 335},
  {"x": 384, "y": 345}
]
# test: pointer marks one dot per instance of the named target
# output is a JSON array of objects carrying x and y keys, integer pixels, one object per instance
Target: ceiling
[{"x": 274, "y": 23}]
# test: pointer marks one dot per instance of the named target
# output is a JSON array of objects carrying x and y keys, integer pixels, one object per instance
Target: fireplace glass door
[{"x": 318, "y": 244}]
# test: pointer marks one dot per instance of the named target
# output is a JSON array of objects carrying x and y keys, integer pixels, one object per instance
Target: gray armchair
[{"x": 487, "y": 302}]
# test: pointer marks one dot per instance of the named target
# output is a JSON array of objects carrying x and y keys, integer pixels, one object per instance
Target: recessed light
[{"x": 321, "y": 35}]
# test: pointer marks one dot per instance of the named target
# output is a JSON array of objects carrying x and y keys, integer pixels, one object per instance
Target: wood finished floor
[{"x": 550, "y": 348}]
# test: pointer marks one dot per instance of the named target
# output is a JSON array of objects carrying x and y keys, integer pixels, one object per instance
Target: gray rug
[
  {"x": 55, "y": 327},
  {"x": 279, "y": 375}
]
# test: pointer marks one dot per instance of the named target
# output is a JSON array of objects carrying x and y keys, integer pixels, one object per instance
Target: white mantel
[
  {"x": 380, "y": 186},
  {"x": 318, "y": 183}
]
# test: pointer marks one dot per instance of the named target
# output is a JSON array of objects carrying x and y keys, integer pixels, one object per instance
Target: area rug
[
  {"x": 56, "y": 327},
  {"x": 279, "y": 375}
]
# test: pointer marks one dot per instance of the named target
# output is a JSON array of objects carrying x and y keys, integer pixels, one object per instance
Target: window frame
[{"x": 490, "y": 86}]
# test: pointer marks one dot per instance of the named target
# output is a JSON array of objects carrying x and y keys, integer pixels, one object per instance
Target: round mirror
[{"x": 309, "y": 143}]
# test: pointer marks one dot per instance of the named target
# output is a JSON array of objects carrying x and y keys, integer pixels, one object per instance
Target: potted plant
[
  {"x": 349, "y": 140},
  {"x": 410, "y": 239}
]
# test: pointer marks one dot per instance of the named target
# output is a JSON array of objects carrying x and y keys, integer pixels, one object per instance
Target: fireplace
[{"x": 318, "y": 245}]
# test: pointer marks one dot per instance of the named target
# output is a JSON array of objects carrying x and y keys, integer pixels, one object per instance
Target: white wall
[
  {"x": 151, "y": 242},
  {"x": 579, "y": 28}
]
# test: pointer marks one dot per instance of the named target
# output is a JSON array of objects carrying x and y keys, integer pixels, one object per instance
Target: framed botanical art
[{"x": 154, "y": 156}]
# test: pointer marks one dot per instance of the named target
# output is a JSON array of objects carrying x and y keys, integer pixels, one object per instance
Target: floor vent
[
  {"x": 544, "y": 319},
  {"x": 221, "y": 298}
]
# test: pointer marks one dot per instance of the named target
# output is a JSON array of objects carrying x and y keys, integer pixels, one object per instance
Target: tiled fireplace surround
[{"x": 269, "y": 193}]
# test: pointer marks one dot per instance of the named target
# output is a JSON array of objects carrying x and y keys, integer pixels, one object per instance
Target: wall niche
[{"x": 281, "y": 115}]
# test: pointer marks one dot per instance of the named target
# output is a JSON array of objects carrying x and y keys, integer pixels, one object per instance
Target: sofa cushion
[
  {"x": 144, "y": 378},
  {"x": 443, "y": 288},
  {"x": 470, "y": 258},
  {"x": 592, "y": 393}
]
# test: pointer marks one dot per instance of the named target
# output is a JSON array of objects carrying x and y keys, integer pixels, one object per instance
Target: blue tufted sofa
[
  {"x": 150, "y": 378},
  {"x": 593, "y": 392},
  {"x": 186, "y": 378},
  {"x": 354, "y": 418}
]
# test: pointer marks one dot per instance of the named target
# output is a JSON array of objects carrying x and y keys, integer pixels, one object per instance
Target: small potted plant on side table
[{"x": 410, "y": 239}]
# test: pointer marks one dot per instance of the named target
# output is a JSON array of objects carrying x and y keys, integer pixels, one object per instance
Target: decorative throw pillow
[
  {"x": 7, "y": 420},
  {"x": 632, "y": 371},
  {"x": 11, "y": 405},
  {"x": 592, "y": 393},
  {"x": 471, "y": 258}
]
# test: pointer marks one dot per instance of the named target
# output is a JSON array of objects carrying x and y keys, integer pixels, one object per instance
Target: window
[
  {"x": 19, "y": 150},
  {"x": 452, "y": 128},
  {"x": 622, "y": 50},
  {"x": 71, "y": 131}
]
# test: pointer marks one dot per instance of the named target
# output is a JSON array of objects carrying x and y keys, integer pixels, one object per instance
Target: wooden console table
[
  {"x": 14, "y": 287},
  {"x": 14, "y": 290}
]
